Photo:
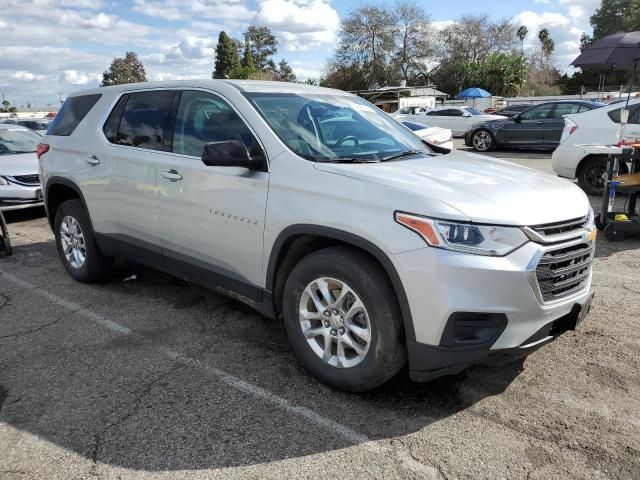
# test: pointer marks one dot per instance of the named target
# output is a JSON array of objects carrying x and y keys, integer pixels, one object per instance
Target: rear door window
[
  {"x": 143, "y": 120},
  {"x": 71, "y": 114}
]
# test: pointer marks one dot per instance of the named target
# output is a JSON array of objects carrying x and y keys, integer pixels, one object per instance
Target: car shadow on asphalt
[{"x": 120, "y": 400}]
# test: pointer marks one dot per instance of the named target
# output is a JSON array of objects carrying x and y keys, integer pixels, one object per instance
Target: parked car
[
  {"x": 457, "y": 119},
  {"x": 539, "y": 126},
  {"x": 440, "y": 137},
  {"x": 38, "y": 125},
  {"x": 409, "y": 111},
  {"x": 314, "y": 206},
  {"x": 578, "y": 155},
  {"x": 19, "y": 181},
  {"x": 511, "y": 110}
]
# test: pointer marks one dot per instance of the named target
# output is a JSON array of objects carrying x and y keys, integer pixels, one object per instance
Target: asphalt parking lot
[{"x": 157, "y": 378}]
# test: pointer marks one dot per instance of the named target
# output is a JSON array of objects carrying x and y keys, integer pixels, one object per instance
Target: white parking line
[{"x": 339, "y": 429}]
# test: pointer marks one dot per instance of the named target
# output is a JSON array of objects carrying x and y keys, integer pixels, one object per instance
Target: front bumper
[
  {"x": 16, "y": 197},
  {"x": 500, "y": 292},
  {"x": 467, "y": 138}
]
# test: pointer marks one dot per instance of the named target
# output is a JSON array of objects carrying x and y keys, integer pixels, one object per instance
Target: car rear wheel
[
  {"x": 76, "y": 244},
  {"x": 591, "y": 174},
  {"x": 482, "y": 141},
  {"x": 343, "y": 320}
]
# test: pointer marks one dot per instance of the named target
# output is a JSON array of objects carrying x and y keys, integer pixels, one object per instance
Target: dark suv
[{"x": 539, "y": 126}]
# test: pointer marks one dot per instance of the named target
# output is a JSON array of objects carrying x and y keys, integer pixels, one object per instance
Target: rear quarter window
[{"x": 71, "y": 114}]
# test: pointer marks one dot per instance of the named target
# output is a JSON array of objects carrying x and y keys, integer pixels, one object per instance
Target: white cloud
[
  {"x": 303, "y": 25},
  {"x": 81, "y": 78},
  {"x": 183, "y": 9}
]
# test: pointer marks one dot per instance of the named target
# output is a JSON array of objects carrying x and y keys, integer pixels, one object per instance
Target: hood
[
  {"x": 484, "y": 189},
  {"x": 19, "y": 164}
]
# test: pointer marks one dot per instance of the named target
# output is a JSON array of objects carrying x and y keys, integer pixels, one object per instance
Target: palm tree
[
  {"x": 548, "y": 45},
  {"x": 522, "y": 34}
]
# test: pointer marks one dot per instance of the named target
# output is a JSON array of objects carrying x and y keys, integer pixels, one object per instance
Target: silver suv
[{"x": 314, "y": 206}]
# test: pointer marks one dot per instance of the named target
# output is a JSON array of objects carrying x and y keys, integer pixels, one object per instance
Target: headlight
[
  {"x": 3, "y": 181},
  {"x": 591, "y": 219},
  {"x": 489, "y": 240}
]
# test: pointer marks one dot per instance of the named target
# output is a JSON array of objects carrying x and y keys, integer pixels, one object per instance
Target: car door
[
  {"x": 438, "y": 118},
  {"x": 457, "y": 121},
  {"x": 211, "y": 218},
  {"x": 554, "y": 125},
  {"x": 135, "y": 130},
  {"x": 528, "y": 127}
]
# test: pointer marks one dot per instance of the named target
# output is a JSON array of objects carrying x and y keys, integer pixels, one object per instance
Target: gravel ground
[{"x": 157, "y": 378}]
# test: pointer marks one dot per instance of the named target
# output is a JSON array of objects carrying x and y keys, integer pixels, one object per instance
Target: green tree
[
  {"x": 522, "y": 34},
  {"x": 263, "y": 44},
  {"x": 247, "y": 61},
  {"x": 285, "y": 72},
  {"x": 227, "y": 58},
  {"x": 412, "y": 43},
  {"x": 124, "y": 70},
  {"x": 615, "y": 16},
  {"x": 5, "y": 105}
]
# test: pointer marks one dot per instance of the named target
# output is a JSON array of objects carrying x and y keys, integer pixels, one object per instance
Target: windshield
[
  {"x": 326, "y": 127},
  {"x": 18, "y": 141},
  {"x": 472, "y": 111}
]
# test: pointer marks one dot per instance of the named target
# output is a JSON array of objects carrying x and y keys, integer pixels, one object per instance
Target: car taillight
[
  {"x": 569, "y": 128},
  {"x": 41, "y": 149}
]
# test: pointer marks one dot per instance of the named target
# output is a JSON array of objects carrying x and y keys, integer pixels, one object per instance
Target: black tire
[
  {"x": 482, "y": 140},
  {"x": 613, "y": 235},
  {"x": 95, "y": 266},
  {"x": 4, "y": 237},
  {"x": 590, "y": 174},
  {"x": 386, "y": 354}
]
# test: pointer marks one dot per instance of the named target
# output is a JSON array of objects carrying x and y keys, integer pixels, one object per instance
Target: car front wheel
[
  {"x": 343, "y": 320},
  {"x": 482, "y": 141}
]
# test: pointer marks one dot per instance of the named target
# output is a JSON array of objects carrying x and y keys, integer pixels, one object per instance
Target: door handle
[
  {"x": 540, "y": 122},
  {"x": 171, "y": 175},
  {"x": 93, "y": 160}
]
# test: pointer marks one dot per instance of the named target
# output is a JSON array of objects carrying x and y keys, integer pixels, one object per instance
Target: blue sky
[{"x": 52, "y": 47}]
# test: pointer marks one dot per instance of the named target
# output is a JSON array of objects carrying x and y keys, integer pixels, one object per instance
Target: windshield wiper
[
  {"x": 406, "y": 153},
  {"x": 351, "y": 160}
]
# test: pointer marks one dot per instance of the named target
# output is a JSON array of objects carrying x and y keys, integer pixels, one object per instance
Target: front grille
[
  {"x": 564, "y": 271},
  {"x": 560, "y": 227},
  {"x": 28, "y": 180}
]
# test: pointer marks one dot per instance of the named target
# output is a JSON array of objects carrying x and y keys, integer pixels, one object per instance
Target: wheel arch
[
  {"x": 58, "y": 190},
  {"x": 297, "y": 241}
]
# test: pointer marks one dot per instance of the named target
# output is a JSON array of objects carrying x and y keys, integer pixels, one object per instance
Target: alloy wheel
[
  {"x": 73, "y": 242},
  {"x": 335, "y": 322},
  {"x": 482, "y": 140}
]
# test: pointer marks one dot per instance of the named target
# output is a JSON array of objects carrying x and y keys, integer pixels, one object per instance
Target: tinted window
[
  {"x": 144, "y": 119},
  {"x": 436, "y": 113},
  {"x": 537, "y": 113},
  {"x": 563, "y": 109},
  {"x": 112, "y": 124},
  {"x": 453, "y": 113},
  {"x": 584, "y": 108},
  {"x": 71, "y": 114},
  {"x": 202, "y": 118},
  {"x": 634, "y": 114}
]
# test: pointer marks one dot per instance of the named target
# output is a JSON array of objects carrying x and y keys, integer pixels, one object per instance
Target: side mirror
[
  {"x": 517, "y": 118},
  {"x": 229, "y": 153}
]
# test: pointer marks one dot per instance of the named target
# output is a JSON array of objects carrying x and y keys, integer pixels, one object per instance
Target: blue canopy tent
[{"x": 473, "y": 92}]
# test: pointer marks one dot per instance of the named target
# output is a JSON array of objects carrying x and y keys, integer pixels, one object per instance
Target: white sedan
[
  {"x": 457, "y": 119},
  {"x": 19, "y": 182},
  {"x": 440, "y": 137}
]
